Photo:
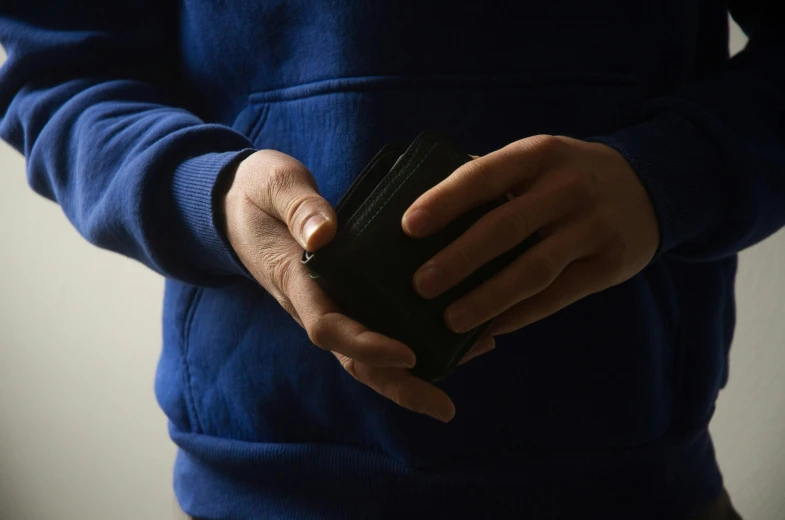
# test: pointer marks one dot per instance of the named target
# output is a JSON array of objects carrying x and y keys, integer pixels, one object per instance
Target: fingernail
[
  {"x": 400, "y": 363},
  {"x": 445, "y": 415},
  {"x": 479, "y": 349},
  {"x": 403, "y": 359},
  {"x": 428, "y": 281},
  {"x": 459, "y": 319},
  {"x": 485, "y": 345},
  {"x": 486, "y": 348},
  {"x": 417, "y": 222},
  {"x": 311, "y": 225}
]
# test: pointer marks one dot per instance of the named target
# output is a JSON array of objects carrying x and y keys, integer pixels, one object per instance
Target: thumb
[{"x": 291, "y": 195}]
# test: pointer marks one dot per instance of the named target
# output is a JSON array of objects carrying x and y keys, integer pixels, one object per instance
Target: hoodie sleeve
[
  {"x": 712, "y": 156},
  {"x": 88, "y": 95}
]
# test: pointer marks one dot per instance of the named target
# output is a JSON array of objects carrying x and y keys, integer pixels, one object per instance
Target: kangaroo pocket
[
  {"x": 598, "y": 374},
  {"x": 335, "y": 126},
  {"x": 601, "y": 374}
]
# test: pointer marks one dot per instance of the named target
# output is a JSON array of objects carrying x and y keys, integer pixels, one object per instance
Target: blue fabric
[{"x": 128, "y": 113}]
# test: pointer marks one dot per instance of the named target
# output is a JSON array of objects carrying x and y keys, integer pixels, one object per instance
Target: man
[{"x": 209, "y": 140}]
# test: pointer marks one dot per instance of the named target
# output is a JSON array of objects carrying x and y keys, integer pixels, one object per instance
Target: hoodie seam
[
  {"x": 193, "y": 303},
  {"x": 522, "y": 79}
]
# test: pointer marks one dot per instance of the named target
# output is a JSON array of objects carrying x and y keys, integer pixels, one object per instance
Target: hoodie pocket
[
  {"x": 598, "y": 374},
  {"x": 334, "y": 126}
]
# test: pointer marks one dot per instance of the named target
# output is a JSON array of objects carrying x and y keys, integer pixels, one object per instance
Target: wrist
[
  {"x": 681, "y": 169},
  {"x": 222, "y": 195},
  {"x": 196, "y": 185}
]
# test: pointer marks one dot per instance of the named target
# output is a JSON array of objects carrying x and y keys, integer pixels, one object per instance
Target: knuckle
[
  {"x": 286, "y": 303},
  {"x": 547, "y": 144},
  {"x": 511, "y": 224},
  {"x": 401, "y": 396},
  {"x": 279, "y": 267},
  {"x": 577, "y": 187},
  {"x": 279, "y": 177},
  {"x": 350, "y": 365},
  {"x": 484, "y": 185},
  {"x": 463, "y": 257},
  {"x": 298, "y": 207},
  {"x": 469, "y": 170},
  {"x": 539, "y": 149},
  {"x": 525, "y": 146},
  {"x": 318, "y": 333},
  {"x": 492, "y": 186},
  {"x": 543, "y": 268},
  {"x": 470, "y": 173}
]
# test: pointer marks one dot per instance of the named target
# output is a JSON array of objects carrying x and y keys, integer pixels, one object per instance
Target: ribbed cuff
[
  {"x": 194, "y": 188},
  {"x": 683, "y": 172}
]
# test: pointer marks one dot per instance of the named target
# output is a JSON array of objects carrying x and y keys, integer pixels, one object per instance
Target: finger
[
  {"x": 403, "y": 388},
  {"x": 331, "y": 330},
  {"x": 276, "y": 265},
  {"x": 479, "y": 181},
  {"x": 529, "y": 274},
  {"x": 579, "y": 280},
  {"x": 272, "y": 261},
  {"x": 288, "y": 191},
  {"x": 482, "y": 346},
  {"x": 267, "y": 249},
  {"x": 550, "y": 200}
]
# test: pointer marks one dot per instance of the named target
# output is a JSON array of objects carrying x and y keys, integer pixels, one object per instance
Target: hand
[
  {"x": 272, "y": 210},
  {"x": 595, "y": 219}
]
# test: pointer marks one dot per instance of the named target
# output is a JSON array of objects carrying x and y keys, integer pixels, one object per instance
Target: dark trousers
[{"x": 721, "y": 509}]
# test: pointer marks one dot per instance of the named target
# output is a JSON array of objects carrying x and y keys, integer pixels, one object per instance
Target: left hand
[{"x": 595, "y": 219}]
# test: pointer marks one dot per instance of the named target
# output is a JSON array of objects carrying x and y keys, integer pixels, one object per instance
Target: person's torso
[{"x": 329, "y": 83}]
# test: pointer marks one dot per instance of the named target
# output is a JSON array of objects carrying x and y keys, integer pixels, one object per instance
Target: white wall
[
  {"x": 749, "y": 424},
  {"x": 81, "y": 435},
  {"x": 82, "y": 438}
]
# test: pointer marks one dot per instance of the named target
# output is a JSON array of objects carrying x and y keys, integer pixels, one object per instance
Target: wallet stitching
[
  {"x": 394, "y": 192},
  {"x": 341, "y": 207}
]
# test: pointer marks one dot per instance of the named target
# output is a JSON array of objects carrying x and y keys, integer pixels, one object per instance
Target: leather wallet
[{"x": 367, "y": 268}]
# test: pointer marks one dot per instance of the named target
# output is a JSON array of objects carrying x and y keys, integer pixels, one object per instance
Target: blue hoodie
[{"x": 128, "y": 112}]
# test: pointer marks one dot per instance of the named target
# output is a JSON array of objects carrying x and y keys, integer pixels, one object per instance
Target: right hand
[{"x": 272, "y": 211}]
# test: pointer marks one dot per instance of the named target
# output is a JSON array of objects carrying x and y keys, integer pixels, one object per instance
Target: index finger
[
  {"x": 331, "y": 330},
  {"x": 403, "y": 388},
  {"x": 475, "y": 183}
]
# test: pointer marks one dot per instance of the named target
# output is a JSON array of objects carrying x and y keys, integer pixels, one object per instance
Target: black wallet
[{"x": 367, "y": 268}]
